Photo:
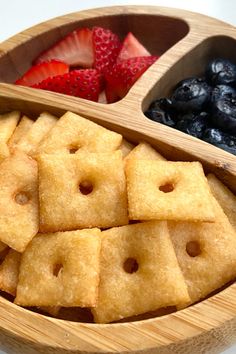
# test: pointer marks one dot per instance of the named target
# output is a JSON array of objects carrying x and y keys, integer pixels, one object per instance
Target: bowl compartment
[
  {"x": 193, "y": 63},
  {"x": 157, "y": 33}
]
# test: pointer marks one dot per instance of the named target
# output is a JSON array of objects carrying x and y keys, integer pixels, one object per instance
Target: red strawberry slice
[
  {"x": 84, "y": 83},
  {"x": 39, "y": 72},
  {"x": 124, "y": 74},
  {"x": 111, "y": 94},
  {"x": 106, "y": 48},
  {"x": 131, "y": 48},
  {"x": 76, "y": 49}
]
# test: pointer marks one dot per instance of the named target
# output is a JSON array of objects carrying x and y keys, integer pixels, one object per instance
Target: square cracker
[
  {"x": 225, "y": 198},
  {"x": 8, "y": 123},
  {"x": 19, "y": 218},
  {"x": 9, "y": 271},
  {"x": 9, "y": 274},
  {"x": 39, "y": 129},
  {"x": 206, "y": 253},
  {"x": 60, "y": 269},
  {"x": 73, "y": 132},
  {"x": 64, "y": 205},
  {"x": 164, "y": 190},
  {"x": 144, "y": 151},
  {"x": 20, "y": 131},
  {"x": 139, "y": 272}
]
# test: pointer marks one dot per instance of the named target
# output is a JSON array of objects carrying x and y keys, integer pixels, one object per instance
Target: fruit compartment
[
  {"x": 15, "y": 62},
  {"x": 193, "y": 63}
]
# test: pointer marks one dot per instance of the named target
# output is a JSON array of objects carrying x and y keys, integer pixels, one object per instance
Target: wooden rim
[
  {"x": 140, "y": 335},
  {"x": 122, "y": 337}
]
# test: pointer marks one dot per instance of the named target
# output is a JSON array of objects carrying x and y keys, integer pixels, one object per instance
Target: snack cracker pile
[{"x": 93, "y": 228}]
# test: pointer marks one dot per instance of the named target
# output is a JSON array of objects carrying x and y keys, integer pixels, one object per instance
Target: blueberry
[
  {"x": 220, "y": 139},
  {"x": 167, "y": 105},
  {"x": 223, "y": 114},
  {"x": 161, "y": 111},
  {"x": 191, "y": 94},
  {"x": 191, "y": 80},
  {"x": 193, "y": 124},
  {"x": 221, "y": 71},
  {"x": 221, "y": 91}
]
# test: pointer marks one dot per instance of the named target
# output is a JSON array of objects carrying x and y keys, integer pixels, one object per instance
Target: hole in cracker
[
  {"x": 130, "y": 265},
  {"x": 167, "y": 188},
  {"x": 73, "y": 150},
  {"x": 57, "y": 269},
  {"x": 193, "y": 248},
  {"x": 21, "y": 198},
  {"x": 86, "y": 187}
]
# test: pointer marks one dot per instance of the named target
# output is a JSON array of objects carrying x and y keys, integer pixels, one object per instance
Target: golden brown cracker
[
  {"x": 19, "y": 218},
  {"x": 82, "y": 190},
  {"x": 20, "y": 131},
  {"x": 206, "y": 253},
  {"x": 9, "y": 271},
  {"x": 225, "y": 198},
  {"x": 41, "y": 127},
  {"x": 74, "y": 133},
  {"x": 164, "y": 190},
  {"x": 139, "y": 272},
  {"x": 60, "y": 269},
  {"x": 8, "y": 123},
  {"x": 144, "y": 151}
]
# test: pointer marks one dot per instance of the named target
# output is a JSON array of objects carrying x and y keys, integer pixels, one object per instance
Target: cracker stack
[{"x": 123, "y": 232}]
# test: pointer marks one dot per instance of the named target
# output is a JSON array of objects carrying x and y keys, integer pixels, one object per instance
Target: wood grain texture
[{"x": 209, "y": 326}]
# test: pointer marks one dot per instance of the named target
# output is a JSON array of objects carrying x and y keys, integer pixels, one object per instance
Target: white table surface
[{"x": 17, "y": 15}]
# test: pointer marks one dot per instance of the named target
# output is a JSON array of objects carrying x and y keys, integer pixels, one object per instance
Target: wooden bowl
[{"x": 186, "y": 41}]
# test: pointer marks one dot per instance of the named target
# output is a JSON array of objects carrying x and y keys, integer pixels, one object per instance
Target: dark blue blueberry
[
  {"x": 191, "y": 94},
  {"x": 223, "y": 114},
  {"x": 221, "y": 91},
  {"x": 191, "y": 80},
  {"x": 220, "y": 139},
  {"x": 193, "y": 124},
  {"x": 221, "y": 71},
  {"x": 161, "y": 111}
]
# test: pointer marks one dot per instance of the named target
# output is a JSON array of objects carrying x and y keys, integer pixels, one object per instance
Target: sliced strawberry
[
  {"x": 124, "y": 74},
  {"x": 111, "y": 95},
  {"x": 39, "y": 72},
  {"x": 106, "y": 48},
  {"x": 76, "y": 49},
  {"x": 131, "y": 48},
  {"x": 84, "y": 83}
]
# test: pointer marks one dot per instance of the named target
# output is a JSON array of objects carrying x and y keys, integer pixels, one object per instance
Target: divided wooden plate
[{"x": 186, "y": 41}]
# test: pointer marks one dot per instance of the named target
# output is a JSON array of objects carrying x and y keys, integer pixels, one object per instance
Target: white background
[{"x": 17, "y": 15}]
